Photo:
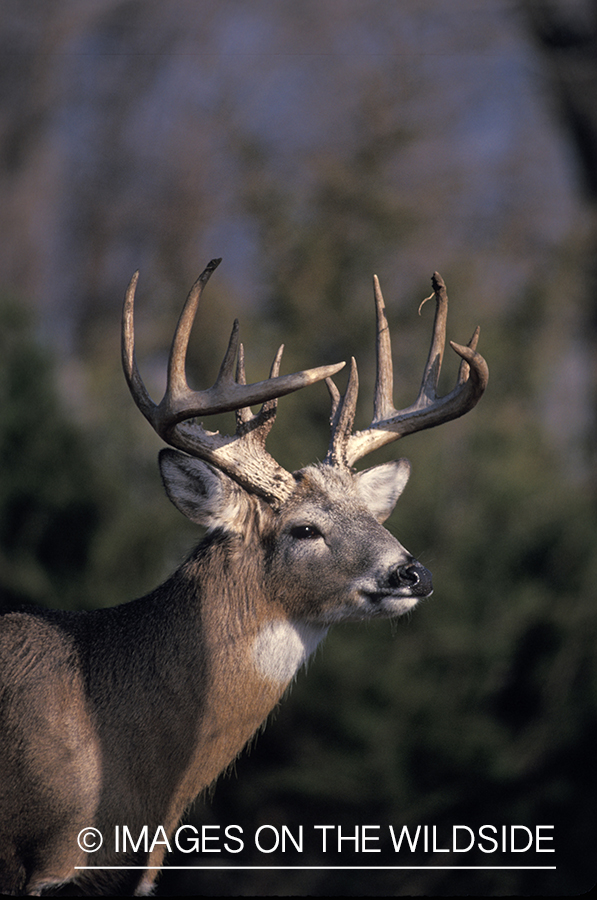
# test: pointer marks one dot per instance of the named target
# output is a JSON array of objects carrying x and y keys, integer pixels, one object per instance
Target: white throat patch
[{"x": 281, "y": 647}]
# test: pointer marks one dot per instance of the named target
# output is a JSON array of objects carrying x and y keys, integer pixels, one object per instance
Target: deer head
[{"x": 204, "y": 496}]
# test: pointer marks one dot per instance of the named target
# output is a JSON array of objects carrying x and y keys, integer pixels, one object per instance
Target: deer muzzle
[{"x": 412, "y": 576}]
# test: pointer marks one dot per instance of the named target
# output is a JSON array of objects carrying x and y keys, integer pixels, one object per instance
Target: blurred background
[{"x": 311, "y": 144}]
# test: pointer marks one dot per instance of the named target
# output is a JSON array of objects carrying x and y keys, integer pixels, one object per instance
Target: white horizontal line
[{"x": 322, "y": 868}]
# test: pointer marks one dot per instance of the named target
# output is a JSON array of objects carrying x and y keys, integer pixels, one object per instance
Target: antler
[
  {"x": 428, "y": 410},
  {"x": 242, "y": 456}
]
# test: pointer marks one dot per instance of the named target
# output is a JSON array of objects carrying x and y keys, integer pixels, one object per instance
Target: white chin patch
[
  {"x": 281, "y": 647},
  {"x": 389, "y": 607},
  {"x": 401, "y": 605}
]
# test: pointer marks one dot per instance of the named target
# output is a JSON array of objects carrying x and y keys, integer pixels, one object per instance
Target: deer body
[{"x": 123, "y": 716}]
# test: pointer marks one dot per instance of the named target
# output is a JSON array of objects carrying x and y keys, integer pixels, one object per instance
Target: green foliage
[
  {"x": 83, "y": 520},
  {"x": 49, "y": 492}
]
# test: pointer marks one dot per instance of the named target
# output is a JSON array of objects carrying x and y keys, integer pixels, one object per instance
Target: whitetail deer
[{"x": 123, "y": 716}]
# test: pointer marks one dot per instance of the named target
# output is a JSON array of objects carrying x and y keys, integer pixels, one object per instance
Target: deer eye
[{"x": 305, "y": 532}]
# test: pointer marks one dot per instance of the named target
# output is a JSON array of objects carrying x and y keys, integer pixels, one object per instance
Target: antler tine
[
  {"x": 383, "y": 404},
  {"x": 389, "y": 424},
  {"x": 472, "y": 345},
  {"x": 177, "y": 386},
  {"x": 342, "y": 419},
  {"x": 270, "y": 407},
  {"x": 129, "y": 362},
  {"x": 431, "y": 373},
  {"x": 265, "y": 418},
  {"x": 334, "y": 397},
  {"x": 344, "y": 407},
  {"x": 243, "y": 414}
]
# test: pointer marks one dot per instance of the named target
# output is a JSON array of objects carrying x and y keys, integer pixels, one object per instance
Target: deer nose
[{"x": 413, "y": 576}]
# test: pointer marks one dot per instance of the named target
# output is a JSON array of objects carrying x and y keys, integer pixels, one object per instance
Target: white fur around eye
[{"x": 280, "y": 648}]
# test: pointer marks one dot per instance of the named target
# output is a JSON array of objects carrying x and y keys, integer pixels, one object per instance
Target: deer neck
[{"x": 252, "y": 651}]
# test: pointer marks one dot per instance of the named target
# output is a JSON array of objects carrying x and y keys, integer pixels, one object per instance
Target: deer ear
[
  {"x": 380, "y": 487},
  {"x": 199, "y": 492}
]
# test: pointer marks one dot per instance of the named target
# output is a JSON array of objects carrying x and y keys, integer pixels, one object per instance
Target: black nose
[{"x": 413, "y": 576}]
